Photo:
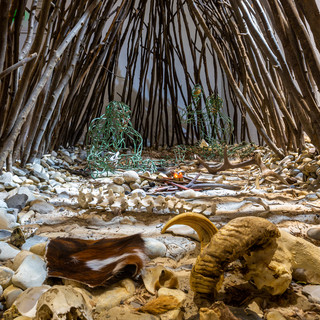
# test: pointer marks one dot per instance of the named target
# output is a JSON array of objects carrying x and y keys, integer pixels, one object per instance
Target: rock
[
  {"x": 2, "y": 188},
  {"x": 10, "y": 294},
  {"x": 118, "y": 180},
  {"x": 26, "y": 191},
  {"x": 105, "y": 299},
  {"x": 115, "y": 188},
  {"x": 10, "y": 185},
  {"x": 7, "y": 251},
  {"x": 34, "y": 179},
  {"x": 314, "y": 233},
  {"x": 17, "y": 179},
  {"x": 19, "y": 259},
  {"x": 33, "y": 241},
  {"x": 6, "y": 177},
  {"x": 31, "y": 273},
  {"x": 26, "y": 217},
  {"x": 18, "y": 172},
  {"x": 3, "y": 204},
  {"x": 4, "y": 234},
  {"x": 139, "y": 192},
  {"x": 313, "y": 292},
  {"x": 39, "y": 248},
  {"x": 130, "y": 176},
  {"x": 5, "y": 276},
  {"x": 42, "y": 176},
  {"x": 41, "y": 206},
  {"x": 27, "y": 301},
  {"x": 17, "y": 201},
  {"x": 7, "y": 220},
  {"x": 134, "y": 186},
  {"x": 154, "y": 248},
  {"x": 63, "y": 302},
  {"x": 4, "y": 195}
]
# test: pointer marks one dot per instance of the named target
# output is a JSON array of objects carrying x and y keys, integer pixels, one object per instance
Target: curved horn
[
  {"x": 238, "y": 237},
  {"x": 202, "y": 225}
]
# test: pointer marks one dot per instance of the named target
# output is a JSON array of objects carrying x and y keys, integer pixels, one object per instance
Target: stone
[
  {"x": 4, "y": 234},
  {"x": 186, "y": 194},
  {"x": 5, "y": 276},
  {"x": 41, "y": 206},
  {"x": 3, "y": 204},
  {"x": 154, "y": 248},
  {"x": 17, "y": 179},
  {"x": 19, "y": 259},
  {"x": 139, "y": 192},
  {"x": 10, "y": 185},
  {"x": 312, "y": 292},
  {"x": 17, "y": 201},
  {"x": 27, "y": 191},
  {"x": 118, "y": 180},
  {"x": 34, "y": 179},
  {"x": 27, "y": 301},
  {"x": 39, "y": 248},
  {"x": 7, "y": 251},
  {"x": 6, "y": 177},
  {"x": 115, "y": 188},
  {"x": 2, "y": 188},
  {"x": 25, "y": 217},
  {"x": 38, "y": 167},
  {"x": 30, "y": 242},
  {"x": 134, "y": 185},
  {"x": 105, "y": 299},
  {"x": 311, "y": 197},
  {"x": 7, "y": 220},
  {"x": 3, "y": 194},
  {"x": 130, "y": 176},
  {"x": 31, "y": 273},
  {"x": 19, "y": 172},
  {"x": 42, "y": 176},
  {"x": 314, "y": 233},
  {"x": 11, "y": 294}
]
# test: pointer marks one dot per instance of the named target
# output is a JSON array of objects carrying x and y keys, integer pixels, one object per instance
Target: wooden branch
[
  {"x": 18, "y": 64},
  {"x": 226, "y": 164}
]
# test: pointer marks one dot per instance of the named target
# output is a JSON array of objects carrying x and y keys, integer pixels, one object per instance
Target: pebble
[
  {"x": 178, "y": 294},
  {"x": 27, "y": 191},
  {"x": 6, "y": 177},
  {"x": 154, "y": 248},
  {"x": 18, "y": 171},
  {"x": 118, "y": 180},
  {"x": 115, "y": 188},
  {"x": 312, "y": 292},
  {"x": 17, "y": 261},
  {"x": 31, "y": 273},
  {"x": 7, "y": 220},
  {"x": 314, "y": 233},
  {"x": 130, "y": 176},
  {"x": 311, "y": 197},
  {"x": 4, "y": 234},
  {"x": 41, "y": 206},
  {"x": 10, "y": 185},
  {"x": 11, "y": 294},
  {"x": 141, "y": 193},
  {"x": 41, "y": 175},
  {"x": 7, "y": 251},
  {"x": 3, "y": 204},
  {"x": 186, "y": 194},
  {"x": 32, "y": 241},
  {"x": 2, "y": 188},
  {"x": 17, "y": 201},
  {"x": 5, "y": 276}
]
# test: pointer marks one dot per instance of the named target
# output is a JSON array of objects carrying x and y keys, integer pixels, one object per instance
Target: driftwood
[{"x": 256, "y": 160}]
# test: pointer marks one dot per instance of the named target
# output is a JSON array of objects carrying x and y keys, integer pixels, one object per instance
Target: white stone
[
  {"x": 7, "y": 251},
  {"x": 28, "y": 193},
  {"x": 141, "y": 193},
  {"x": 31, "y": 273},
  {"x": 130, "y": 176},
  {"x": 186, "y": 194},
  {"x": 6, "y": 177},
  {"x": 7, "y": 220},
  {"x": 116, "y": 188},
  {"x": 154, "y": 248},
  {"x": 25, "y": 217},
  {"x": 3, "y": 204},
  {"x": 118, "y": 180},
  {"x": 10, "y": 185}
]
